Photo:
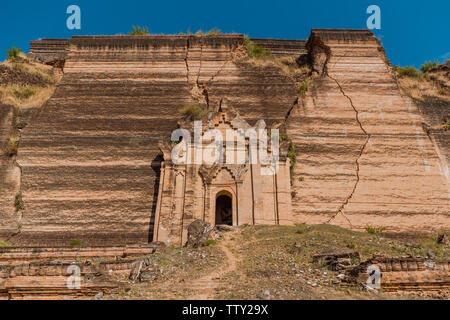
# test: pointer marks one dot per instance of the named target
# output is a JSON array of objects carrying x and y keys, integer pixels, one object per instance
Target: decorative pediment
[
  {"x": 221, "y": 114},
  {"x": 210, "y": 172}
]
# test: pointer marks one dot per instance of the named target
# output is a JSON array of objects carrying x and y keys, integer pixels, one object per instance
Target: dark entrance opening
[{"x": 224, "y": 212}]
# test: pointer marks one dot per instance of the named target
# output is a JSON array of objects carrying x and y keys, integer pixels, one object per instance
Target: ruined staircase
[{"x": 44, "y": 273}]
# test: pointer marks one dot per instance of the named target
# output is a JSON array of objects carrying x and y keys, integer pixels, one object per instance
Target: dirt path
[{"x": 205, "y": 286}]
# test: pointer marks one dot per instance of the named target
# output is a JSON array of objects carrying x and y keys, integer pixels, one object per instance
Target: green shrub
[
  {"x": 13, "y": 53},
  {"x": 18, "y": 203},
  {"x": 75, "y": 243},
  {"x": 214, "y": 31},
  {"x": 428, "y": 65},
  {"x": 446, "y": 124},
  {"x": 350, "y": 245},
  {"x": 301, "y": 228},
  {"x": 375, "y": 230},
  {"x": 4, "y": 243},
  {"x": 255, "y": 51},
  {"x": 193, "y": 111},
  {"x": 302, "y": 87},
  {"x": 209, "y": 243},
  {"x": 24, "y": 92},
  {"x": 138, "y": 31},
  {"x": 408, "y": 71},
  {"x": 292, "y": 155}
]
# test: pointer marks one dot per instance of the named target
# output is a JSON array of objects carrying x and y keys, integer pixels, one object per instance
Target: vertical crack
[
  {"x": 363, "y": 147},
  {"x": 201, "y": 59},
  {"x": 288, "y": 113},
  {"x": 186, "y": 59}
]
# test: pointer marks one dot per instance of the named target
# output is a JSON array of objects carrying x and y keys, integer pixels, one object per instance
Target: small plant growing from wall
[
  {"x": 75, "y": 243},
  {"x": 193, "y": 111},
  {"x": 255, "y": 51},
  {"x": 291, "y": 154},
  {"x": 302, "y": 87},
  {"x": 213, "y": 32},
  {"x": 13, "y": 146},
  {"x": 446, "y": 124},
  {"x": 18, "y": 203},
  {"x": 4, "y": 243},
  {"x": 138, "y": 31}
]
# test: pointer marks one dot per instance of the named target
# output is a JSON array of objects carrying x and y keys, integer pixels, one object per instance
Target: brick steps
[
  {"x": 405, "y": 274},
  {"x": 14, "y": 255},
  {"x": 50, "y": 288},
  {"x": 42, "y": 273}
]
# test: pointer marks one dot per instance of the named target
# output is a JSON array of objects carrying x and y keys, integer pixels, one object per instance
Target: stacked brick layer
[
  {"x": 364, "y": 158},
  {"x": 47, "y": 273},
  {"x": 90, "y": 159},
  {"x": 8, "y": 186},
  {"x": 407, "y": 274}
]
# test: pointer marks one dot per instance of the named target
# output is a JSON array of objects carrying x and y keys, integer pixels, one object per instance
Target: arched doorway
[{"x": 224, "y": 209}]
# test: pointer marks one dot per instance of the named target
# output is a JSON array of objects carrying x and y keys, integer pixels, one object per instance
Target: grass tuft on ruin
[
  {"x": 256, "y": 51},
  {"x": 408, "y": 71},
  {"x": 302, "y": 88},
  {"x": 23, "y": 92},
  {"x": 428, "y": 65},
  {"x": 75, "y": 243},
  {"x": 138, "y": 31},
  {"x": 12, "y": 53},
  {"x": 18, "y": 203},
  {"x": 13, "y": 145},
  {"x": 374, "y": 230},
  {"x": 193, "y": 111}
]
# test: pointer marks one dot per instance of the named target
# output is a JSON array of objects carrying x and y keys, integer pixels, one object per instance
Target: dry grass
[
  {"x": 419, "y": 88},
  {"x": 289, "y": 67},
  {"x": 174, "y": 268},
  {"x": 271, "y": 263},
  {"x": 4, "y": 243},
  {"x": 25, "y": 96},
  {"x": 13, "y": 145},
  {"x": 269, "y": 266},
  {"x": 26, "y": 65}
]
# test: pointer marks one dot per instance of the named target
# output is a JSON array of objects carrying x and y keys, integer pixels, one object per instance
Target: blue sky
[{"x": 412, "y": 31}]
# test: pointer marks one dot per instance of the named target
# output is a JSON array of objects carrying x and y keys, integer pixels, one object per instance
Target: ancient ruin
[
  {"x": 96, "y": 164},
  {"x": 90, "y": 165},
  {"x": 222, "y": 191}
]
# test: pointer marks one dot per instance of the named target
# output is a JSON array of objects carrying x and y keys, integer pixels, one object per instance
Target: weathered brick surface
[
  {"x": 407, "y": 274},
  {"x": 364, "y": 156},
  {"x": 10, "y": 255},
  {"x": 42, "y": 272},
  {"x": 90, "y": 163},
  {"x": 8, "y": 185}
]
